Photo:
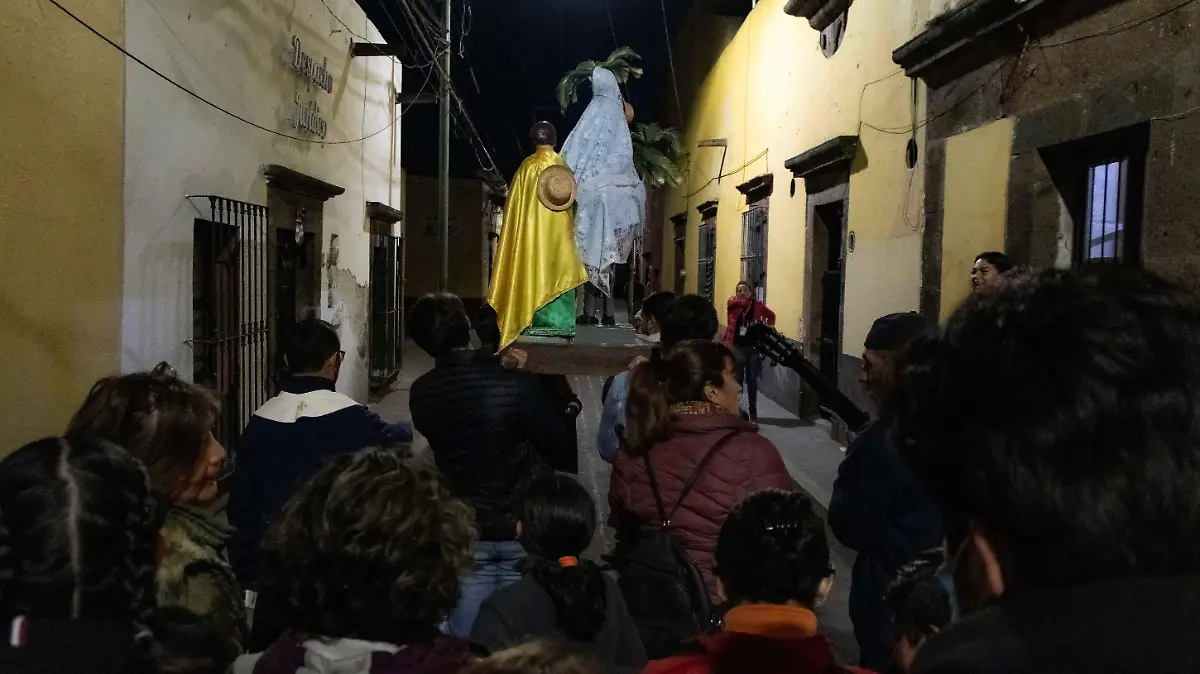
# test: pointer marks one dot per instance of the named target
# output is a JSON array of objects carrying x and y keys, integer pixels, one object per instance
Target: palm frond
[
  {"x": 668, "y": 140},
  {"x": 622, "y": 63},
  {"x": 568, "y": 87},
  {"x": 655, "y": 168}
]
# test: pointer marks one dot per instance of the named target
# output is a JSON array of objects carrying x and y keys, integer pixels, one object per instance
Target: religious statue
[
  {"x": 611, "y": 205},
  {"x": 537, "y": 265}
]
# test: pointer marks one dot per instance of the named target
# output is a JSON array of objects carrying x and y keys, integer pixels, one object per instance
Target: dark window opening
[
  {"x": 707, "y": 259},
  {"x": 231, "y": 327},
  {"x": 387, "y": 293},
  {"x": 754, "y": 248},
  {"x": 1102, "y": 181}
]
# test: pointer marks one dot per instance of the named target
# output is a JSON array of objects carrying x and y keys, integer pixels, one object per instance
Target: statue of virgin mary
[{"x": 611, "y": 204}]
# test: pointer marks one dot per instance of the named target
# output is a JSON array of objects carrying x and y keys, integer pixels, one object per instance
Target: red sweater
[{"x": 759, "y": 314}]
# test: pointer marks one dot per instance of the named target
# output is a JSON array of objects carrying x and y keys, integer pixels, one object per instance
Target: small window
[
  {"x": 754, "y": 248},
  {"x": 1104, "y": 231},
  {"x": 1101, "y": 180},
  {"x": 707, "y": 268}
]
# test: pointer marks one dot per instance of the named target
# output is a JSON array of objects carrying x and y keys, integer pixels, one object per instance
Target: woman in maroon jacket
[
  {"x": 680, "y": 406},
  {"x": 745, "y": 310}
]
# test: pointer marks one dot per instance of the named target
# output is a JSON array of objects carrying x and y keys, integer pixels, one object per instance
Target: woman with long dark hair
[
  {"x": 684, "y": 425},
  {"x": 561, "y": 595},
  {"x": 167, "y": 424},
  {"x": 77, "y": 528}
]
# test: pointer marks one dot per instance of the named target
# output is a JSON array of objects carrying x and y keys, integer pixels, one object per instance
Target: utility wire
[
  {"x": 207, "y": 102},
  {"x": 671, "y": 60}
]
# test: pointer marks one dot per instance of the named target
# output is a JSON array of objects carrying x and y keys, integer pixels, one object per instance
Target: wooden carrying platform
[{"x": 596, "y": 351}]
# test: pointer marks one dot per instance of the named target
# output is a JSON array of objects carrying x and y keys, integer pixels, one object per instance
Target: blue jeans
[
  {"x": 495, "y": 568},
  {"x": 747, "y": 376}
]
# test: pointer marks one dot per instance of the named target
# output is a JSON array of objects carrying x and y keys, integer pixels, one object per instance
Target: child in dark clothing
[{"x": 561, "y": 596}]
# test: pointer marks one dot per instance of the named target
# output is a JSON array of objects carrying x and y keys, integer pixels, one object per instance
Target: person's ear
[
  {"x": 824, "y": 590},
  {"x": 712, "y": 393},
  {"x": 985, "y": 565}
]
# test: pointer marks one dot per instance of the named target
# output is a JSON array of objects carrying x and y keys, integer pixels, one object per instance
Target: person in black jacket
[
  {"x": 560, "y": 595},
  {"x": 284, "y": 445},
  {"x": 488, "y": 428},
  {"x": 878, "y": 507}
]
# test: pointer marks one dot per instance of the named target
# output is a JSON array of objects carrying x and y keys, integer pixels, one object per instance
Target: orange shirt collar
[{"x": 772, "y": 620}]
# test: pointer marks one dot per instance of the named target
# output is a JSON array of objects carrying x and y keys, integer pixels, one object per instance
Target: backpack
[{"x": 662, "y": 586}]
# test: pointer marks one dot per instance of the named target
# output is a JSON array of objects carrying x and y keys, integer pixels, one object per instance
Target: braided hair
[
  {"x": 77, "y": 533},
  {"x": 558, "y": 522}
]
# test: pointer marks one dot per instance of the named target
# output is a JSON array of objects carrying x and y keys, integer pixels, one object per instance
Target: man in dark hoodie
[
  {"x": 290, "y": 436},
  {"x": 1060, "y": 419},
  {"x": 878, "y": 508}
]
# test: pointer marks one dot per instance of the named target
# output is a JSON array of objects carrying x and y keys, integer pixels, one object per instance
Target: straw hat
[{"x": 556, "y": 188}]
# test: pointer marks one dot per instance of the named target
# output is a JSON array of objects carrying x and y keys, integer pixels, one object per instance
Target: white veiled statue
[{"x": 611, "y": 204}]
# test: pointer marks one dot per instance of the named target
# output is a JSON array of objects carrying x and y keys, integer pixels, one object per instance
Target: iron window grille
[
  {"x": 387, "y": 296},
  {"x": 232, "y": 330},
  {"x": 754, "y": 248},
  {"x": 707, "y": 260}
]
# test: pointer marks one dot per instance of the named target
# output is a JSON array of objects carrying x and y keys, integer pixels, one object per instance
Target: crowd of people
[{"x": 1027, "y": 499}]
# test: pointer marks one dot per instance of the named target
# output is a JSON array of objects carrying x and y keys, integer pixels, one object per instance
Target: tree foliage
[{"x": 655, "y": 150}]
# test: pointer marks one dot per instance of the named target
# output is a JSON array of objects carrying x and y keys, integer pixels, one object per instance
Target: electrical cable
[
  {"x": 611, "y": 24},
  {"x": 1118, "y": 28},
  {"x": 207, "y": 102},
  {"x": 728, "y": 173},
  {"x": 671, "y": 59}
]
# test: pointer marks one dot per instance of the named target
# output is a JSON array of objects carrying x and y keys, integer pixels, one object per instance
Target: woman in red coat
[
  {"x": 680, "y": 406},
  {"x": 745, "y": 310}
]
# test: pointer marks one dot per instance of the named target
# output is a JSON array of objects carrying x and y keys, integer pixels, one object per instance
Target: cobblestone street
[{"x": 811, "y": 456}]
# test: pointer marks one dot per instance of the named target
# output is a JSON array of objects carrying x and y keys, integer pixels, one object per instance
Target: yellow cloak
[{"x": 536, "y": 258}]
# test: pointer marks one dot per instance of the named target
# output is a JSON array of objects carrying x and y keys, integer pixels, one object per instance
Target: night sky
[{"x": 514, "y": 53}]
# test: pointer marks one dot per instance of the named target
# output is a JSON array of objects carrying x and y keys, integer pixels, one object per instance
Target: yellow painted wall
[
  {"x": 61, "y": 127},
  {"x": 976, "y": 203},
  {"x": 773, "y": 94}
]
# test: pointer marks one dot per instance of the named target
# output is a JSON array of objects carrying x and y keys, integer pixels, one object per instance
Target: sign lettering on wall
[
  {"x": 309, "y": 69},
  {"x": 307, "y": 118}
]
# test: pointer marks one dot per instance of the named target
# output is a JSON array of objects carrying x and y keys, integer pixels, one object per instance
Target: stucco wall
[
  {"x": 976, "y": 205},
  {"x": 232, "y": 53},
  {"x": 60, "y": 211},
  {"x": 773, "y": 94}
]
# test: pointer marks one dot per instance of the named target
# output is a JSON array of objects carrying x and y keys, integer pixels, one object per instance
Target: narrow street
[{"x": 812, "y": 458}]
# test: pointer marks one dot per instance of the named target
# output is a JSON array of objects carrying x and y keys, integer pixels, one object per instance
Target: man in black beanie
[{"x": 878, "y": 508}]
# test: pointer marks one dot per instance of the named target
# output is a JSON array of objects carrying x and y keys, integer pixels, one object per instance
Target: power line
[
  {"x": 671, "y": 60},
  {"x": 207, "y": 102}
]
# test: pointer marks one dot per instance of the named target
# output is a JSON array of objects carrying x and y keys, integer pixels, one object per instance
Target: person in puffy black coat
[
  {"x": 488, "y": 428},
  {"x": 878, "y": 508}
]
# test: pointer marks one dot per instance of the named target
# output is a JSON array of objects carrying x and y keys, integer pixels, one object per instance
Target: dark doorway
[
  {"x": 298, "y": 282},
  {"x": 680, "y": 254},
  {"x": 387, "y": 293},
  {"x": 827, "y": 280}
]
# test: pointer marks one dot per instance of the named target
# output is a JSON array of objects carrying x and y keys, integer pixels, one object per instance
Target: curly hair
[
  {"x": 559, "y": 521},
  {"x": 371, "y": 548},
  {"x": 161, "y": 419},
  {"x": 919, "y": 604},
  {"x": 772, "y": 549},
  {"x": 539, "y": 657}
]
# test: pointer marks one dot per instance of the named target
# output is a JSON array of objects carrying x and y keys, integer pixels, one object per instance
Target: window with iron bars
[
  {"x": 754, "y": 248},
  {"x": 707, "y": 259},
  {"x": 231, "y": 326},
  {"x": 387, "y": 295}
]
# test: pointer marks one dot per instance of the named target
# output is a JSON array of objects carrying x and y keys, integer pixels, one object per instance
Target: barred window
[
  {"x": 754, "y": 248},
  {"x": 707, "y": 268}
]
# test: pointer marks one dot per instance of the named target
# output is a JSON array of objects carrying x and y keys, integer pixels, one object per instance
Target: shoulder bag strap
[
  {"x": 696, "y": 474},
  {"x": 658, "y": 504}
]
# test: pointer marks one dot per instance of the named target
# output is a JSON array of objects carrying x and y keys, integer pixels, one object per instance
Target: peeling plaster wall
[{"x": 232, "y": 53}]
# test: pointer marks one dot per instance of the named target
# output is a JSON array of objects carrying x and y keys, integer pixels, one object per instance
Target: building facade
[
  {"x": 1065, "y": 133},
  {"x": 474, "y": 228},
  {"x": 799, "y": 176},
  {"x": 226, "y": 230}
]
